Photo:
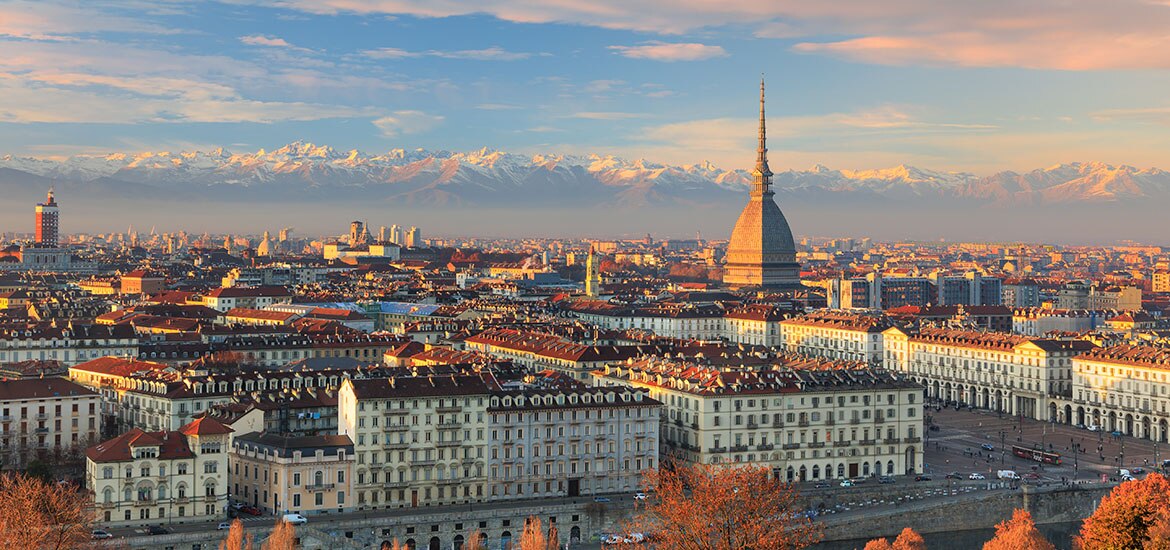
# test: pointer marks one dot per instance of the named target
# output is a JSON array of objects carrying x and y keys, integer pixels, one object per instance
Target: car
[
  {"x": 1093, "y": 428},
  {"x": 295, "y": 519},
  {"x": 823, "y": 485},
  {"x": 639, "y": 496},
  {"x": 885, "y": 479},
  {"x": 976, "y": 475},
  {"x": 1137, "y": 470},
  {"x": 921, "y": 478},
  {"x": 250, "y": 510},
  {"x": 236, "y": 505},
  {"x": 157, "y": 530},
  {"x": 847, "y": 483},
  {"x": 100, "y": 534},
  {"x": 223, "y": 525},
  {"x": 1031, "y": 475},
  {"x": 987, "y": 447},
  {"x": 860, "y": 480},
  {"x": 600, "y": 499},
  {"x": 954, "y": 475}
]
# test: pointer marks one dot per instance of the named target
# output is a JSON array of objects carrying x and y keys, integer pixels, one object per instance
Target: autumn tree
[
  {"x": 1127, "y": 515},
  {"x": 475, "y": 540},
  {"x": 283, "y": 537},
  {"x": 708, "y": 507},
  {"x": 908, "y": 539},
  {"x": 1018, "y": 533},
  {"x": 236, "y": 538},
  {"x": 533, "y": 536},
  {"x": 43, "y": 515}
]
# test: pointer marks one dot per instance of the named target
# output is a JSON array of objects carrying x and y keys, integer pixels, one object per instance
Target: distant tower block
[
  {"x": 413, "y": 238},
  {"x": 592, "y": 274},
  {"x": 356, "y": 229},
  {"x": 761, "y": 252},
  {"x": 47, "y": 219}
]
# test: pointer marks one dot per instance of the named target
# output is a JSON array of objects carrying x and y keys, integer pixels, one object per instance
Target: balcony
[
  {"x": 879, "y": 419},
  {"x": 803, "y": 422},
  {"x": 448, "y": 426},
  {"x": 739, "y": 448},
  {"x": 689, "y": 447},
  {"x": 395, "y": 412},
  {"x": 790, "y": 446},
  {"x": 855, "y": 421},
  {"x": 41, "y": 430},
  {"x": 890, "y": 440},
  {"x": 694, "y": 424},
  {"x": 180, "y": 500},
  {"x": 778, "y": 424},
  {"x": 717, "y": 450},
  {"x": 913, "y": 439},
  {"x": 765, "y": 447},
  {"x": 449, "y": 481},
  {"x": 319, "y": 487},
  {"x": 829, "y": 421},
  {"x": 840, "y": 443},
  {"x": 867, "y": 441},
  {"x": 42, "y": 416},
  {"x": 424, "y": 462},
  {"x": 395, "y": 428},
  {"x": 395, "y": 484},
  {"x": 397, "y": 445},
  {"x": 448, "y": 443},
  {"x": 816, "y": 444},
  {"x": 449, "y": 409}
]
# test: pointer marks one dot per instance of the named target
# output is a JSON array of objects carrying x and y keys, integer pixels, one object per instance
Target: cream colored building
[
  {"x": 163, "y": 477},
  {"x": 45, "y": 415},
  {"x": 419, "y": 440},
  {"x": 754, "y": 324},
  {"x": 836, "y": 335},
  {"x": 803, "y": 424},
  {"x": 548, "y": 443},
  {"x": 1014, "y": 374},
  {"x": 278, "y": 474},
  {"x": 1122, "y": 388}
]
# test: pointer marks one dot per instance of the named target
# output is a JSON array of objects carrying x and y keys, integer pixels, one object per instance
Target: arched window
[
  {"x": 108, "y": 495},
  {"x": 319, "y": 478}
]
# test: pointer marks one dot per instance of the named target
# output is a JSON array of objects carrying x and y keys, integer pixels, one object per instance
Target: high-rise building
[
  {"x": 46, "y": 234},
  {"x": 761, "y": 252},
  {"x": 395, "y": 234},
  {"x": 413, "y": 238}
]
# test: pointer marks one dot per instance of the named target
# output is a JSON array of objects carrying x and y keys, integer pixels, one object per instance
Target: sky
[{"x": 852, "y": 84}]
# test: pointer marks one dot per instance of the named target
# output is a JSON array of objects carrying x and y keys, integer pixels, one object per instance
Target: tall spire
[{"x": 763, "y": 174}]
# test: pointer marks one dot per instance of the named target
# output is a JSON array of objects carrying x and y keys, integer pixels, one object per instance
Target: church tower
[
  {"x": 592, "y": 274},
  {"x": 761, "y": 252}
]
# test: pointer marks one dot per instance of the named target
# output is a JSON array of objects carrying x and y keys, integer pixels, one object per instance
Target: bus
[{"x": 1039, "y": 455}]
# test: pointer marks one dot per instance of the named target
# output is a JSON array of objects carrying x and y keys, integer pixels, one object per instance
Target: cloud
[
  {"x": 605, "y": 115},
  {"x": 1042, "y": 34},
  {"x": 496, "y": 107},
  {"x": 494, "y": 53},
  {"x": 57, "y": 22},
  {"x": 663, "y": 51},
  {"x": 270, "y": 41},
  {"x": 401, "y": 123},
  {"x": 1160, "y": 115}
]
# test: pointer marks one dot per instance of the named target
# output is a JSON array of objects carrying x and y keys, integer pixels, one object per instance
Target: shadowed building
[{"x": 761, "y": 252}]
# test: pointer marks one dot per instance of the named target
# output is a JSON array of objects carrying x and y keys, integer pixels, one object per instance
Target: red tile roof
[
  {"x": 205, "y": 426},
  {"x": 172, "y": 445}
]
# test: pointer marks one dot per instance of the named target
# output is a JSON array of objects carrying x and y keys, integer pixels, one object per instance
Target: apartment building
[
  {"x": 549, "y": 443},
  {"x": 1014, "y": 374},
  {"x": 834, "y": 421},
  {"x": 836, "y": 335},
  {"x": 71, "y": 344},
  {"x": 418, "y": 440},
  {"x": 279, "y": 473},
  {"x": 147, "y": 478},
  {"x": 1124, "y": 388},
  {"x": 754, "y": 324},
  {"x": 40, "y": 416},
  {"x": 539, "y": 351}
]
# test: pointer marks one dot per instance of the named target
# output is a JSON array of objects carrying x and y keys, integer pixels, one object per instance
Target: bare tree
[
  {"x": 40, "y": 515},
  {"x": 236, "y": 538},
  {"x": 283, "y": 537}
]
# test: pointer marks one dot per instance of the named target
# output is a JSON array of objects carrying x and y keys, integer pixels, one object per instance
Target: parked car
[
  {"x": 295, "y": 519},
  {"x": 954, "y": 475},
  {"x": 823, "y": 485},
  {"x": 988, "y": 447},
  {"x": 885, "y": 479},
  {"x": 1137, "y": 471},
  {"x": 1093, "y": 428},
  {"x": 157, "y": 530},
  {"x": 921, "y": 478},
  {"x": 100, "y": 534},
  {"x": 976, "y": 475},
  {"x": 224, "y": 525},
  {"x": 639, "y": 496},
  {"x": 600, "y": 499},
  {"x": 860, "y": 480},
  {"x": 847, "y": 483},
  {"x": 250, "y": 510}
]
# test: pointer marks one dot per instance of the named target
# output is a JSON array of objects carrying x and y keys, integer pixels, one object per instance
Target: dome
[{"x": 762, "y": 251}]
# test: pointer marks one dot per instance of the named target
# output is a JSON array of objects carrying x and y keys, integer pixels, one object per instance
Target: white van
[
  {"x": 1007, "y": 474},
  {"x": 295, "y": 519}
]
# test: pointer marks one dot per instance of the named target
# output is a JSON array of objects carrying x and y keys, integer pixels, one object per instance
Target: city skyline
[{"x": 854, "y": 88}]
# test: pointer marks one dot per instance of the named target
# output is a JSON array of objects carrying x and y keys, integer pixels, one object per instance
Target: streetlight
[{"x": 1002, "y": 434}]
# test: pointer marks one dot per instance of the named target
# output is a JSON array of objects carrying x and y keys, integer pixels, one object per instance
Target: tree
[
  {"x": 40, "y": 470},
  {"x": 533, "y": 536},
  {"x": 708, "y": 507},
  {"x": 908, "y": 539},
  {"x": 283, "y": 537},
  {"x": 43, "y": 515},
  {"x": 1018, "y": 533},
  {"x": 475, "y": 540},
  {"x": 1126, "y": 516},
  {"x": 236, "y": 538}
]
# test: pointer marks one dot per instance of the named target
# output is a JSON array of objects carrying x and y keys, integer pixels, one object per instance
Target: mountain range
[{"x": 304, "y": 172}]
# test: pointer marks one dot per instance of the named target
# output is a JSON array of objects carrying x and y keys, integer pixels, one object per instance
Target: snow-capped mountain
[{"x": 304, "y": 171}]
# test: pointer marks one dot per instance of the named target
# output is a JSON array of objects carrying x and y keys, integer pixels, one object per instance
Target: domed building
[{"x": 761, "y": 252}]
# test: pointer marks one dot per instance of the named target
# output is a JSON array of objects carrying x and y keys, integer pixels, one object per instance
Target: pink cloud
[{"x": 663, "y": 51}]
